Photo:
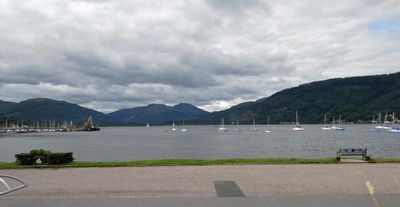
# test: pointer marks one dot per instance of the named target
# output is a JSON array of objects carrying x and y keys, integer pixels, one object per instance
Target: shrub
[
  {"x": 60, "y": 158},
  {"x": 40, "y": 152},
  {"x": 24, "y": 159},
  {"x": 46, "y": 156}
]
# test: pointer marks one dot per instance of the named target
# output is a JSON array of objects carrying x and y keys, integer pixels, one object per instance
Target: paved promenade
[{"x": 364, "y": 185}]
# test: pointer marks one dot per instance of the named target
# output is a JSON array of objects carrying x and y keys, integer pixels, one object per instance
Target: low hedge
[{"x": 46, "y": 157}]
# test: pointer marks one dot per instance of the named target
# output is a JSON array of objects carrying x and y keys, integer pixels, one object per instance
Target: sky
[{"x": 214, "y": 54}]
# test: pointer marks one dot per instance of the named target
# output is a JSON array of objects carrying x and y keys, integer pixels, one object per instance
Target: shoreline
[{"x": 196, "y": 162}]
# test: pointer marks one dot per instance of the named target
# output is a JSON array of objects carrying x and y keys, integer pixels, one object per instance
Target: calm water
[{"x": 132, "y": 143}]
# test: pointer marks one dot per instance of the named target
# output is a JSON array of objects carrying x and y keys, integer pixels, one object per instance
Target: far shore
[{"x": 198, "y": 162}]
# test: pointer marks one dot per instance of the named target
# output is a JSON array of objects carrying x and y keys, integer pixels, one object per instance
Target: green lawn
[
  {"x": 182, "y": 162},
  {"x": 386, "y": 160},
  {"x": 5, "y": 165},
  {"x": 179, "y": 162}
]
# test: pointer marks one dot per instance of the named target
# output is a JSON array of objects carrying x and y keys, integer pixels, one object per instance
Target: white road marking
[{"x": 371, "y": 190}]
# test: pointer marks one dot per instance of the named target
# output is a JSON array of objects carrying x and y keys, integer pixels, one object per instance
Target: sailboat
[
  {"x": 173, "y": 126},
  {"x": 147, "y": 125},
  {"x": 384, "y": 126},
  {"x": 237, "y": 126},
  {"x": 222, "y": 127},
  {"x": 267, "y": 130},
  {"x": 339, "y": 127},
  {"x": 385, "y": 121},
  {"x": 394, "y": 129},
  {"x": 373, "y": 128},
  {"x": 297, "y": 127},
  {"x": 254, "y": 125},
  {"x": 183, "y": 126},
  {"x": 378, "y": 125},
  {"x": 325, "y": 127}
]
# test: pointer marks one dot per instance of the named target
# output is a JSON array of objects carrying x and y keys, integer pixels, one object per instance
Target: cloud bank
[{"x": 212, "y": 53}]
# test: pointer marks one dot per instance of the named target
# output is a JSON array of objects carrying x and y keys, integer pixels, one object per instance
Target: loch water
[{"x": 202, "y": 142}]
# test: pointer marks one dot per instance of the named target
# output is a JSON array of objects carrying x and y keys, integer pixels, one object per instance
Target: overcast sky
[{"x": 214, "y": 54}]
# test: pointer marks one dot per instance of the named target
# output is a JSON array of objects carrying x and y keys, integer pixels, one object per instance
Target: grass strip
[
  {"x": 385, "y": 160},
  {"x": 6, "y": 165},
  {"x": 188, "y": 162},
  {"x": 178, "y": 162}
]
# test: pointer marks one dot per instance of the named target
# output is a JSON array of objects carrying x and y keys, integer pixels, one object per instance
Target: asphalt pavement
[{"x": 350, "y": 184}]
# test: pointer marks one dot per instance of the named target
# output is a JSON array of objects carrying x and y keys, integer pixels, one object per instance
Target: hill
[
  {"x": 5, "y": 105},
  {"x": 356, "y": 99},
  {"x": 41, "y": 109},
  {"x": 156, "y": 114}
]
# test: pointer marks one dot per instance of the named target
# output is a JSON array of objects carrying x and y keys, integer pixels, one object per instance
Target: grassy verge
[
  {"x": 180, "y": 162},
  {"x": 385, "y": 160},
  {"x": 5, "y": 165},
  {"x": 185, "y": 162}
]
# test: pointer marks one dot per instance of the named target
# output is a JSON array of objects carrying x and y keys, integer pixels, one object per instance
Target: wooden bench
[{"x": 352, "y": 152}]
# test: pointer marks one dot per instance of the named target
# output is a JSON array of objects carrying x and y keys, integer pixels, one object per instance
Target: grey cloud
[
  {"x": 114, "y": 54},
  {"x": 238, "y": 7}
]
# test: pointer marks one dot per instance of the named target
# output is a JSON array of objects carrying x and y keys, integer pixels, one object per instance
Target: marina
[{"x": 50, "y": 127}]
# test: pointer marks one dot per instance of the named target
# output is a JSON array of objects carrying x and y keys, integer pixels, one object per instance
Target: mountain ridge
[
  {"x": 44, "y": 109},
  {"x": 156, "y": 114},
  {"x": 356, "y": 99}
]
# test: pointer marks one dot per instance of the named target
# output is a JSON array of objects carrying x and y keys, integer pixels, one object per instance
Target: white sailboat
[
  {"x": 340, "y": 128},
  {"x": 183, "y": 126},
  {"x": 254, "y": 125},
  {"x": 394, "y": 129},
  {"x": 385, "y": 122},
  {"x": 147, "y": 125},
  {"x": 297, "y": 127},
  {"x": 173, "y": 126},
  {"x": 373, "y": 128},
  {"x": 337, "y": 127},
  {"x": 325, "y": 127},
  {"x": 222, "y": 127},
  {"x": 237, "y": 126},
  {"x": 267, "y": 130},
  {"x": 378, "y": 125}
]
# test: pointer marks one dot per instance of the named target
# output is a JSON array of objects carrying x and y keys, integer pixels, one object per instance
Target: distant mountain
[
  {"x": 156, "y": 114},
  {"x": 41, "y": 109},
  {"x": 356, "y": 99},
  {"x": 5, "y": 105}
]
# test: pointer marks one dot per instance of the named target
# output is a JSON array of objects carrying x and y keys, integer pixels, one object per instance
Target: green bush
[
  {"x": 40, "y": 152},
  {"x": 24, "y": 159},
  {"x": 60, "y": 158},
  {"x": 46, "y": 156}
]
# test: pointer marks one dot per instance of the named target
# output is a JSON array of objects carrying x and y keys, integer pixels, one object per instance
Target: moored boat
[
  {"x": 222, "y": 128},
  {"x": 325, "y": 127},
  {"x": 267, "y": 130},
  {"x": 297, "y": 127}
]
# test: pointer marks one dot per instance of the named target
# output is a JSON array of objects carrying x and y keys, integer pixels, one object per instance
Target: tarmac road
[{"x": 375, "y": 185}]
